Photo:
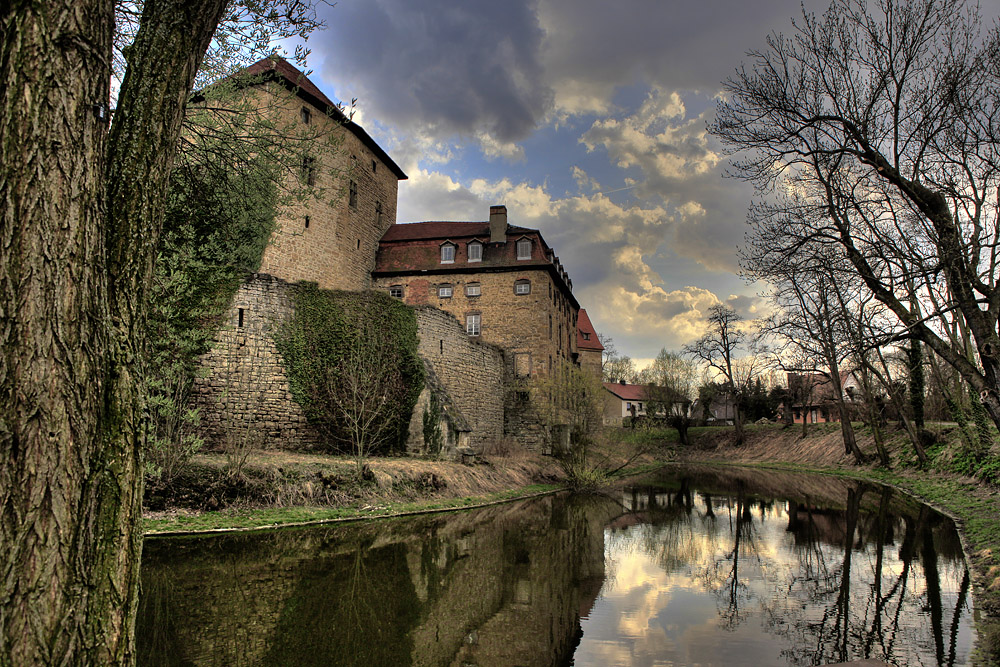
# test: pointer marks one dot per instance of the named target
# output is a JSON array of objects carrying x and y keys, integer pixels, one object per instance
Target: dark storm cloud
[{"x": 439, "y": 66}]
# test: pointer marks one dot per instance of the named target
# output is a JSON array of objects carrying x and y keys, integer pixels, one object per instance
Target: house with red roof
[
  {"x": 502, "y": 282},
  {"x": 624, "y": 400}
]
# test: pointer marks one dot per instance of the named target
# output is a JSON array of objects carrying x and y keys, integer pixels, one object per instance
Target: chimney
[{"x": 498, "y": 224}]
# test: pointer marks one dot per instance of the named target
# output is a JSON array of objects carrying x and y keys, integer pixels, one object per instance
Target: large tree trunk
[
  {"x": 53, "y": 314},
  {"x": 80, "y": 216}
]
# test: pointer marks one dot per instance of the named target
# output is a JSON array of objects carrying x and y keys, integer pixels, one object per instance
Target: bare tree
[
  {"x": 732, "y": 352},
  {"x": 808, "y": 321},
  {"x": 883, "y": 116},
  {"x": 362, "y": 393},
  {"x": 670, "y": 385}
]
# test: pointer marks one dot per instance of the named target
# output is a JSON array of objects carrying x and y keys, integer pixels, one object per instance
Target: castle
[{"x": 493, "y": 303}]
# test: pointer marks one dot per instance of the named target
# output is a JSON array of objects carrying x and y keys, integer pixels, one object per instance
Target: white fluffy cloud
[{"x": 613, "y": 253}]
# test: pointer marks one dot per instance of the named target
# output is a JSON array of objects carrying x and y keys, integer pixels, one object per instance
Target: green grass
[{"x": 246, "y": 519}]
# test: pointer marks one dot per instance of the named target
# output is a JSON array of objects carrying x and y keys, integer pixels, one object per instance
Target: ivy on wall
[{"x": 352, "y": 364}]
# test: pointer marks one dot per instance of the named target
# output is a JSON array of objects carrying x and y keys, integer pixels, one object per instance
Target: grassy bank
[{"x": 272, "y": 488}]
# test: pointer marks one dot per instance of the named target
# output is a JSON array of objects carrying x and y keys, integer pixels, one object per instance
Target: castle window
[
  {"x": 448, "y": 253},
  {"x": 473, "y": 289},
  {"x": 352, "y": 195},
  {"x": 305, "y": 115},
  {"x": 378, "y": 213},
  {"x": 239, "y": 318},
  {"x": 309, "y": 170},
  {"x": 475, "y": 251},
  {"x": 374, "y": 166},
  {"x": 307, "y": 222},
  {"x": 524, "y": 249},
  {"x": 472, "y": 324},
  {"x": 396, "y": 291},
  {"x": 444, "y": 291},
  {"x": 522, "y": 364},
  {"x": 522, "y": 287}
]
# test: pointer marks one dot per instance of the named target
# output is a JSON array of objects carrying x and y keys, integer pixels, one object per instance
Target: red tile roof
[
  {"x": 411, "y": 231},
  {"x": 583, "y": 326},
  {"x": 290, "y": 73},
  {"x": 627, "y": 392},
  {"x": 298, "y": 82}
]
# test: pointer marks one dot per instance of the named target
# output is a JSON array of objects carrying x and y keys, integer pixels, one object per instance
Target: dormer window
[
  {"x": 475, "y": 250},
  {"x": 524, "y": 249},
  {"x": 586, "y": 336},
  {"x": 448, "y": 253}
]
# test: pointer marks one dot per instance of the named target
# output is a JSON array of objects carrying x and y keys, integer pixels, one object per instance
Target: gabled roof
[
  {"x": 627, "y": 392},
  {"x": 413, "y": 248},
  {"x": 278, "y": 69},
  {"x": 413, "y": 231},
  {"x": 583, "y": 326}
]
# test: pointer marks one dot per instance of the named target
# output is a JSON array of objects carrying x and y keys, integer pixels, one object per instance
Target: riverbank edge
[
  {"x": 977, "y": 520},
  {"x": 268, "y": 518}
]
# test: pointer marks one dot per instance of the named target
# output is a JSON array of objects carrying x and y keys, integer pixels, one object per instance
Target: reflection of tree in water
[
  {"x": 722, "y": 574},
  {"x": 843, "y": 584},
  {"x": 348, "y": 611},
  {"x": 866, "y": 604}
]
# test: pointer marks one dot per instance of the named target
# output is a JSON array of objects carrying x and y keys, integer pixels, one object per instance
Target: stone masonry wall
[
  {"x": 337, "y": 249},
  {"x": 244, "y": 392},
  {"x": 535, "y": 329},
  {"x": 472, "y": 372}
]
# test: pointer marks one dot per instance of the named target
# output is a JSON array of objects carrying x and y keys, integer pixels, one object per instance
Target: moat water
[{"x": 700, "y": 566}]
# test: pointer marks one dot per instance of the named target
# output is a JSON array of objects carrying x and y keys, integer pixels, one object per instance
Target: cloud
[
  {"x": 618, "y": 256},
  {"x": 439, "y": 68}
]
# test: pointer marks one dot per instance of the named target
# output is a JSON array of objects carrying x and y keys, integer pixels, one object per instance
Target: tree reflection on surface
[{"x": 698, "y": 567}]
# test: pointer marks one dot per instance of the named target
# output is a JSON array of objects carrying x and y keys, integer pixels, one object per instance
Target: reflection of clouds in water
[{"x": 671, "y": 599}]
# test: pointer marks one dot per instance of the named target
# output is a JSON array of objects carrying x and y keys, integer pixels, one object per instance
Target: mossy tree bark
[{"x": 80, "y": 212}]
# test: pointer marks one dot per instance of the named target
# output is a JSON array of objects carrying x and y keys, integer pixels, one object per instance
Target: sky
[{"x": 586, "y": 118}]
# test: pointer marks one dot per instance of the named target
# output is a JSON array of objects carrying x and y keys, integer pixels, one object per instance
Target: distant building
[{"x": 624, "y": 400}]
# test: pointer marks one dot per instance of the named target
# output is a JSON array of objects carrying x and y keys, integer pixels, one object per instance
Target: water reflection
[{"x": 701, "y": 567}]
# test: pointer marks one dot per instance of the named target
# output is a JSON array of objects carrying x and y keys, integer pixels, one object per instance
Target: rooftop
[
  {"x": 280, "y": 70},
  {"x": 586, "y": 335}
]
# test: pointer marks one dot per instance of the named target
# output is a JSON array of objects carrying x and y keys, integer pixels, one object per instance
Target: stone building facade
[
  {"x": 347, "y": 186},
  {"x": 494, "y": 305},
  {"x": 503, "y": 282}
]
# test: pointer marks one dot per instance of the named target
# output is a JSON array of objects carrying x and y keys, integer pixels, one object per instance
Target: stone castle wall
[
  {"x": 244, "y": 391},
  {"x": 337, "y": 248},
  {"x": 470, "y": 371}
]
